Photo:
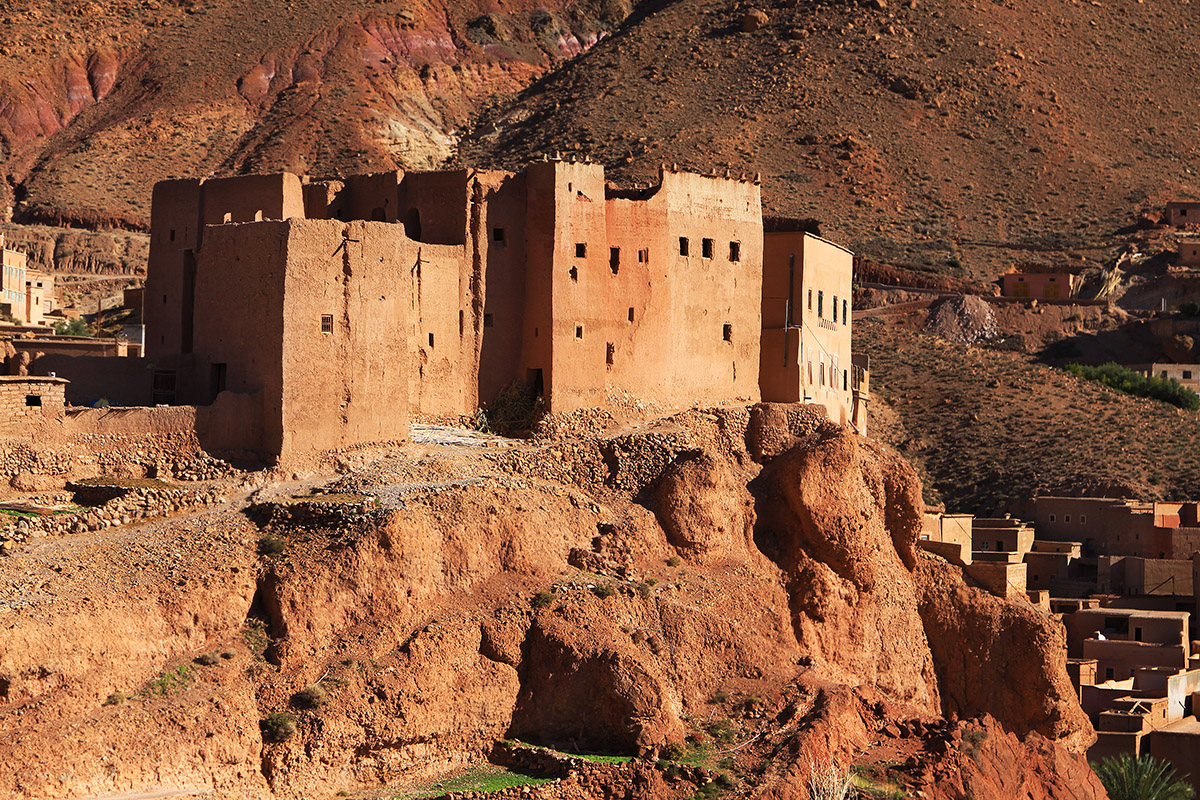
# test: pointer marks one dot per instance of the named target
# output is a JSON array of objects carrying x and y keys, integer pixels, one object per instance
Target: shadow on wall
[{"x": 231, "y": 428}]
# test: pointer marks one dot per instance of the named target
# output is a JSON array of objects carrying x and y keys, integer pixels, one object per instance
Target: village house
[
  {"x": 1189, "y": 253},
  {"x": 1186, "y": 375},
  {"x": 362, "y": 301},
  {"x": 1107, "y": 526},
  {"x": 1041, "y": 285},
  {"x": 1183, "y": 212},
  {"x": 26, "y": 295}
]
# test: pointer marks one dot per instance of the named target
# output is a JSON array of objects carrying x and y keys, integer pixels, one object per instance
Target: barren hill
[{"x": 961, "y": 135}]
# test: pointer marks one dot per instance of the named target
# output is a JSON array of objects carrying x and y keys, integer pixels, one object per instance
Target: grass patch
[
  {"x": 486, "y": 778},
  {"x": 168, "y": 681},
  {"x": 873, "y": 782},
  {"x": 277, "y": 727}
]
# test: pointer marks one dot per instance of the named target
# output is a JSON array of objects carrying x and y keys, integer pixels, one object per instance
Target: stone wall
[{"x": 24, "y": 402}]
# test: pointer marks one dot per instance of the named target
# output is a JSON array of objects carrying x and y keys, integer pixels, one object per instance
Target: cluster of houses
[
  {"x": 27, "y": 295},
  {"x": 1122, "y": 575}
]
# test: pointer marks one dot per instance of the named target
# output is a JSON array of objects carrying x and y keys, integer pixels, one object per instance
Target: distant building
[
  {"x": 348, "y": 305},
  {"x": 1041, "y": 285},
  {"x": 1186, "y": 374},
  {"x": 1183, "y": 212},
  {"x": 1189, "y": 252},
  {"x": 1107, "y": 526}
]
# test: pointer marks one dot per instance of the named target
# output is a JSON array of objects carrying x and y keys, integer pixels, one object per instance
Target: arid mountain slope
[
  {"x": 946, "y": 133},
  {"x": 991, "y": 429},
  {"x": 101, "y": 98}
]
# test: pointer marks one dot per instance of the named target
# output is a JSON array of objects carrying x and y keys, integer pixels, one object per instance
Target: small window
[
  {"x": 1052, "y": 518},
  {"x": 614, "y": 259},
  {"x": 735, "y": 251},
  {"x": 34, "y": 400},
  {"x": 172, "y": 234},
  {"x": 1108, "y": 673},
  {"x": 431, "y": 340},
  {"x": 327, "y": 323},
  {"x": 1187, "y": 374},
  {"x": 835, "y": 308},
  {"x": 574, "y": 273},
  {"x": 706, "y": 248},
  {"x": 578, "y": 331},
  {"x": 727, "y": 332},
  {"x": 644, "y": 256},
  {"x": 631, "y": 315},
  {"x": 810, "y": 299},
  {"x": 461, "y": 323},
  {"x": 487, "y": 320},
  {"x": 1066, "y": 517},
  {"x": 820, "y": 305},
  {"x": 845, "y": 380},
  {"x": 164, "y": 299},
  {"x": 1082, "y": 519},
  {"x": 498, "y": 235},
  {"x": 683, "y": 246},
  {"x": 581, "y": 249},
  {"x": 610, "y": 352},
  {"x": 845, "y": 313}
]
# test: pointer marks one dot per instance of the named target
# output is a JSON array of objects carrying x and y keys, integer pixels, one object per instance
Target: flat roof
[{"x": 1129, "y": 612}]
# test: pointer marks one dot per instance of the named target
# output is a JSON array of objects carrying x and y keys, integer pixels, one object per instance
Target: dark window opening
[
  {"x": 706, "y": 248},
  {"x": 845, "y": 313},
  {"x": 431, "y": 340},
  {"x": 631, "y": 315},
  {"x": 614, "y": 259},
  {"x": 820, "y": 305},
  {"x": 1187, "y": 374},
  {"x": 498, "y": 235},
  {"x": 34, "y": 400},
  {"x": 217, "y": 379},
  {"x": 533, "y": 378},
  {"x": 487, "y": 320},
  {"x": 461, "y": 323},
  {"x": 574, "y": 274},
  {"x": 412, "y": 223},
  {"x": 164, "y": 387},
  {"x": 578, "y": 331},
  {"x": 643, "y": 256},
  {"x": 610, "y": 352},
  {"x": 845, "y": 380},
  {"x": 1052, "y": 518},
  {"x": 1108, "y": 673},
  {"x": 1066, "y": 517},
  {"x": 727, "y": 332},
  {"x": 164, "y": 299},
  {"x": 683, "y": 246},
  {"x": 172, "y": 234},
  {"x": 327, "y": 323},
  {"x": 1137, "y": 634},
  {"x": 735, "y": 251},
  {"x": 581, "y": 249},
  {"x": 810, "y": 299},
  {"x": 378, "y": 215},
  {"x": 835, "y": 308}
]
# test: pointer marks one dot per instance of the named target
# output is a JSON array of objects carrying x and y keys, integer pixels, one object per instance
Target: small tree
[
  {"x": 1128, "y": 777},
  {"x": 74, "y": 327}
]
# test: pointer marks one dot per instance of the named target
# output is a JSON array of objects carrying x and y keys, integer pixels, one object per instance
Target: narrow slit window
[
  {"x": 683, "y": 246},
  {"x": 820, "y": 305},
  {"x": 735, "y": 251},
  {"x": 643, "y": 256},
  {"x": 574, "y": 273},
  {"x": 327, "y": 323},
  {"x": 614, "y": 259},
  {"x": 461, "y": 323},
  {"x": 431, "y": 340},
  {"x": 172, "y": 234},
  {"x": 488, "y": 321},
  {"x": 727, "y": 332},
  {"x": 631, "y": 315},
  {"x": 706, "y": 248},
  {"x": 581, "y": 249},
  {"x": 845, "y": 313},
  {"x": 610, "y": 352},
  {"x": 810, "y": 299},
  {"x": 578, "y": 331},
  {"x": 835, "y": 308}
]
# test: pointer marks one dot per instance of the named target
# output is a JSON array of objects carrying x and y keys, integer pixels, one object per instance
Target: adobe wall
[
  {"x": 371, "y": 196},
  {"x": 120, "y": 381},
  {"x": 1046, "y": 568},
  {"x": 24, "y": 400},
  {"x": 434, "y": 206},
  {"x": 1039, "y": 285},
  {"x": 1158, "y": 576},
  {"x": 1183, "y": 213},
  {"x": 1179, "y": 746},
  {"x": 1124, "y": 657},
  {"x": 1189, "y": 252},
  {"x": 174, "y": 231},
  {"x": 350, "y": 385},
  {"x": 677, "y": 347},
  {"x": 504, "y": 318}
]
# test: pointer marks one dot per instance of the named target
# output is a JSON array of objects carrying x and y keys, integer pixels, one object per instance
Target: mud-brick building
[{"x": 348, "y": 305}]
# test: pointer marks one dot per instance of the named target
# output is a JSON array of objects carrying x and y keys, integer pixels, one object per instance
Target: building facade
[
  {"x": 351, "y": 304},
  {"x": 1041, "y": 285}
]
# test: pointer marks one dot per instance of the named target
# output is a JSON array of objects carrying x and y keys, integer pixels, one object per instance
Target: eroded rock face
[{"x": 775, "y": 564}]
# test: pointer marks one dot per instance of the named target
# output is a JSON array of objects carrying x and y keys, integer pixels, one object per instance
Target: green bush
[
  {"x": 278, "y": 727},
  {"x": 271, "y": 545},
  {"x": 116, "y": 698},
  {"x": 1125, "y": 380},
  {"x": 603, "y": 590},
  {"x": 75, "y": 327},
  {"x": 1129, "y": 777},
  {"x": 542, "y": 600}
]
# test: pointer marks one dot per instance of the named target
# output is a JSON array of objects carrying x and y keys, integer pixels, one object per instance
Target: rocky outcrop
[{"x": 776, "y": 611}]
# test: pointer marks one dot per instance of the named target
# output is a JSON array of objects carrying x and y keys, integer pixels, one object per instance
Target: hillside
[
  {"x": 990, "y": 429},
  {"x": 961, "y": 136},
  {"x": 101, "y": 98}
]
